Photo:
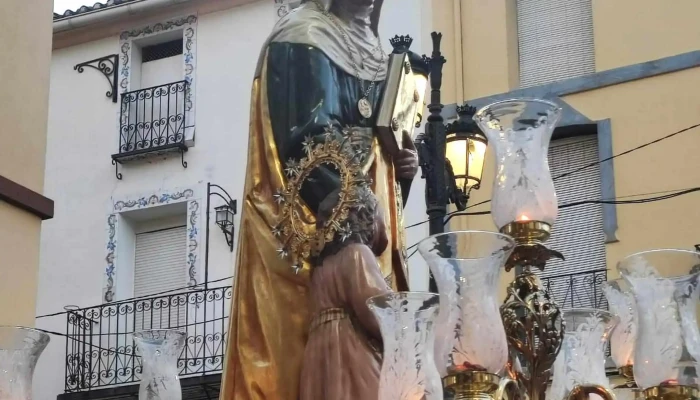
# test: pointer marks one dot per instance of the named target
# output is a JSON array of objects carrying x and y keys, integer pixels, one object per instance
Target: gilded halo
[{"x": 297, "y": 242}]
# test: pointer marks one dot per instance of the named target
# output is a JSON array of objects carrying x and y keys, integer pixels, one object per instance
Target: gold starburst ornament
[{"x": 336, "y": 151}]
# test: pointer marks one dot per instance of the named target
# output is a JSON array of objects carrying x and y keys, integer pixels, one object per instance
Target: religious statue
[
  {"x": 320, "y": 77},
  {"x": 342, "y": 358}
]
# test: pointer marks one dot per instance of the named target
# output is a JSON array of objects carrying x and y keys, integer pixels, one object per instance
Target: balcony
[
  {"x": 101, "y": 362},
  {"x": 578, "y": 290},
  {"x": 153, "y": 121}
]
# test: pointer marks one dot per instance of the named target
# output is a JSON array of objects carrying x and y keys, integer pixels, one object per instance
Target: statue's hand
[{"x": 406, "y": 161}]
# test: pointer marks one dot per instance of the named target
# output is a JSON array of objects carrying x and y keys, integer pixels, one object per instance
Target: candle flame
[{"x": 523, "y": 218}]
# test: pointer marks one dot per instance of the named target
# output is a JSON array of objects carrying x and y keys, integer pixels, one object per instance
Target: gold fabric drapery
[{"x": 270, "y": 312}]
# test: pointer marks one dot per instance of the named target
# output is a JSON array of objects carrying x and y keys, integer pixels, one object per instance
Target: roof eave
[{"x": 104, "y": 15}]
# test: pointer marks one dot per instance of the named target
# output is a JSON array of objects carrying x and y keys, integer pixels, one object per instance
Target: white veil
[{"x": 308, "y": 25}]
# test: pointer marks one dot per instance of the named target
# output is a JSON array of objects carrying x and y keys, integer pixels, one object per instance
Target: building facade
[
  {"x": 130, "y": 170},
  {"x": 621, "y": 70},
  {"x": 22, "y": 203}
]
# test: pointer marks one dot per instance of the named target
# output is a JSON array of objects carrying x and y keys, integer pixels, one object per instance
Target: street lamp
[
  {"x": 224, "y": 218},
  {"x": 451, "y": 157},
  {"x": 465, "y": 151}
]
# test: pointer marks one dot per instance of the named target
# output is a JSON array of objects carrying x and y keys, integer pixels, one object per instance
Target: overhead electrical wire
[
  {"x": 190, "y": 289},
  {"x": 462, "y": 213},
  {"x": 574, "y": 204},
  {"x": 583, "y": 167},
  {"x": 580, "y": 203}
]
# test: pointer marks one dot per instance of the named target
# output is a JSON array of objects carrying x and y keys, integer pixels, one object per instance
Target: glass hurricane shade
[
  {"x": 20, "y": 349},
  {"x": 224, "y": 216},
  {"x": 519, "y": 131},
  {"x": 407, "y": 323},
  {"x": 667, "y": 346},
  {"x": 581, "y": 360},
  {"x": 466, "y": 152},
  {"x": 159, "y": 350},
  {"x": 467, "y": 266},
  {"x": 621, "y": 303}
]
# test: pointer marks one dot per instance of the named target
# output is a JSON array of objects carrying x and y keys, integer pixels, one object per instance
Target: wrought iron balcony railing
[
  {"x": 579, "y": 290},
  {"x": 99, "y": 345},
  {"x": 152, "y": 120}
]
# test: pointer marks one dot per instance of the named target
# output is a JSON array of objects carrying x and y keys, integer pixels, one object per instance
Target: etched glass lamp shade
[
  {"x": 581, "y": 360},
  {"x": 667, "y": 346},
  {"x": 621, "y": 303},
  {"x": 519, "y": 131},
  {"x": 407, "y": 323},
  {"x": 159, "y": 350},
  {"x": 20, "y": 349},
  {"x": 467, "y": 266}
]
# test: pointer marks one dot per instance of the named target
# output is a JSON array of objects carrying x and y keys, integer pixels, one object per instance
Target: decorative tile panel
[
  {"x": 189, "y": 60},
  {"x": 192, "y": 241},
  {"x": 110, "y": 259},
  {"x": 124, "y": 206},
  {"x": 283, "y": 7}
]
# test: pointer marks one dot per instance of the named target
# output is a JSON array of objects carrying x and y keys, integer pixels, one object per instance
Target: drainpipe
[{"x": 105, "y": 15}]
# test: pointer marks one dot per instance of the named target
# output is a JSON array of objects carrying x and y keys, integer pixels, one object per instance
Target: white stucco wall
[{"x": 82, "y": 135}]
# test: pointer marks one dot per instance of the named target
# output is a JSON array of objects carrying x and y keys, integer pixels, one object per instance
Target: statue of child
[{"x": 342, "y": 359}]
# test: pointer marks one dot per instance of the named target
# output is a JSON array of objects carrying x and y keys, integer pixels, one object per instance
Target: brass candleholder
[
  {"x": 627, "y": 372},
  {"x": 584, "y": 391},
  {"x": 671, "y": 392},
  {"x": 479, "y": 385},
  {"x": 532, "y": 320},
  {"x": 530, "y": 251}
]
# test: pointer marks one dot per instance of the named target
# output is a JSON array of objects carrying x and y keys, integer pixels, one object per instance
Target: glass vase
[
  {"x": 621, "y": 303},
  {"x": 159, "y": 350},
  {"x": 467, "y": 266},
  {"x": 581, "y": 360},
  {"x": 407, "y": 322},
  {"x": 519, "y": 131},
  {"x": 667, "y": 346},
  {"x": 20, "y": 349}
]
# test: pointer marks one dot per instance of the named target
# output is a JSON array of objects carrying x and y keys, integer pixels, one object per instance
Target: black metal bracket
[
  {"x": 182, "y": 158},
  {"x": 143, "y": 153},
  {"x": 107, "y": 65},
  {"x": 116, "y": 167}
]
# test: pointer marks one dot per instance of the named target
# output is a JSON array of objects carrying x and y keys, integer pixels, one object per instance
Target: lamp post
[
  {"x": 451, "y": 156},
  {"x": 224, "y": 219}
]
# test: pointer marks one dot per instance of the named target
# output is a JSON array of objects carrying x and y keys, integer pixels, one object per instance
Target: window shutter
[
  {"x": 160, "y": 266},
  {"x": 578, "y": 231},
  {"x": 555, "y": 40}
]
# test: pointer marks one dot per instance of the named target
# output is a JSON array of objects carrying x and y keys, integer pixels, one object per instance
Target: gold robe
[{"x": 270, "y": 310}]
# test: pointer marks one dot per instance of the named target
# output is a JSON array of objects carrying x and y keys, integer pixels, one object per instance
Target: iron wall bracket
[{"x": 107, "y": 65}]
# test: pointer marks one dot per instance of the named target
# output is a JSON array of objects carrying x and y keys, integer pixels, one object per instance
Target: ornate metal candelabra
[
  {"x": 524, "y": 207},
  {"x": 471, "y": 347}
]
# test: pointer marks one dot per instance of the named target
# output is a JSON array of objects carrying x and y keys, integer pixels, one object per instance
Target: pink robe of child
[{"x": 340, "y": 361}]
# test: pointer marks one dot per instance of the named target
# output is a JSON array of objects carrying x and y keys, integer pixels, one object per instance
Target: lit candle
[{"x": 523, "y": 218}]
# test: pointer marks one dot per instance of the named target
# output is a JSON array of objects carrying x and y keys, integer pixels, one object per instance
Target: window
[
  {"x": 555, "y": 40},
  {"x": 161, "y": 63},
  {"x": 578, "y": 231},
  {"x": 160, "y": 266},
  {"x": 157, "y": 84},
  {"x": 162, "y": 50},
  {"x": 153, "y": 118}
]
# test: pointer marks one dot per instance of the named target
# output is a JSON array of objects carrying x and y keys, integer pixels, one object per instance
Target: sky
[{"x": 60, "y": 6}]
